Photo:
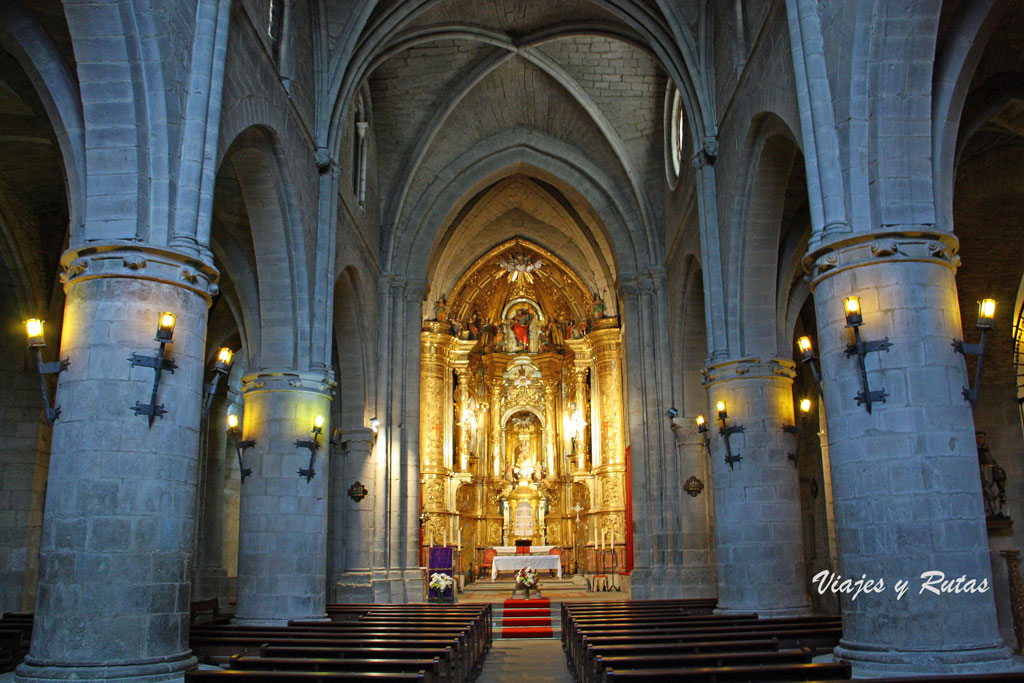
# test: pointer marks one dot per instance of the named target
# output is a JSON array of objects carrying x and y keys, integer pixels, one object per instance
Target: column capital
[
  {"x": 922, "y": 243},
  {"x": 749, "y": 368},
  {"x": 355, "y": 435},
  {"x": 140, "y": 261},
  {"x": 288, "y": 380}
]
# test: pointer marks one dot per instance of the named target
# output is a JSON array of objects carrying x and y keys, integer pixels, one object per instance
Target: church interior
[{"x": 503, "y": 340}]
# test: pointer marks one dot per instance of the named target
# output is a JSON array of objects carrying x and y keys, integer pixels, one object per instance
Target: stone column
[
  {"x": 352, "y": 521},
  {"x": 211, "y": 571},
  {"x": 758, "y": 523},
  {"x": 282, "y": 544},
  {"x": 904, "y": 476},
  {"x": 611, "y": 473},
  {"x": 118, "y": 525}
]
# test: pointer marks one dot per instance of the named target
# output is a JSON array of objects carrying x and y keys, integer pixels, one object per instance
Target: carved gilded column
[
  {"x": 611, "y": 472},
  {"x": 435, "y": 387},
  {"x": 461, "y": 459},
  {"x": 1012, "y": 558}
]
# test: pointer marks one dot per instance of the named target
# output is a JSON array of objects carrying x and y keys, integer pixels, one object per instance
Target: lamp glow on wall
[
  {"x": 164, "y": 334},
  {"x": 986, "y": 316},
  {"x": 221, "y": 366},
  {"x": 235, "y": 431},
  {"x": 313, "y": 445},
  {"x": 860, "y": 348},
  {"x": 726, "y": 431},
  {"x": 810, "y": 358},
  {"x": 703, "y": 429},
  {"x": 37, "y": 341},
  {"x": 799, "y": 431}
]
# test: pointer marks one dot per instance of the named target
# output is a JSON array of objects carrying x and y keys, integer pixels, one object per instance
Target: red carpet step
[{"x": 526, "y": 619}]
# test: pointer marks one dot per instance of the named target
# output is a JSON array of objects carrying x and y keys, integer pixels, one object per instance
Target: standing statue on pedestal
[
  {"x": 993, "y": 481},
  {"x": 598, "y": 306}
]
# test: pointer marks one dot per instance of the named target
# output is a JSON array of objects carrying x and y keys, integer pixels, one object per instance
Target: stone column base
[
  {"x": 156, "y": 670},
  {"x": 352, "y": 587},
  {"x": 868, "y": 662},
  {"x": 657, "y": 583}
]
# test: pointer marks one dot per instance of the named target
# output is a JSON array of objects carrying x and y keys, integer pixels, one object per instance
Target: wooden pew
[
  {"x": 431, "y": 667},
  {"x": 701, "y": 660},
  {"x": 771, "y": 673},
  {"x": 215, "y": 644},
  {"x": 202, "y": 675}
]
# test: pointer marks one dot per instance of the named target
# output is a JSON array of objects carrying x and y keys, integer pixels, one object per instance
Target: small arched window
[
  {"x": 361, "y": 129},
  {"x": 677, "y": 122}
]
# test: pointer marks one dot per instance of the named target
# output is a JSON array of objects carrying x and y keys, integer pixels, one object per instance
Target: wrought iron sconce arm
[
  {"x": 159, "y": 363},
  {"x": 702, "y": 429},
  {"x": 799, "y": 432},
  {"x": 965, "y": 349},
  {"x": 726, "y": 431},
  {"x": 860, "y": 349},
  {"x": 54, "y": 368},
  {"x": 313, "y": 445},
  {"x": 240, "y": 447}
]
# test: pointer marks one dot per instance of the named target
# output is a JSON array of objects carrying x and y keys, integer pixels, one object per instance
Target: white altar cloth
[
  {"x": 511, "y": 549},
  {"x": 517, "y": 562}
]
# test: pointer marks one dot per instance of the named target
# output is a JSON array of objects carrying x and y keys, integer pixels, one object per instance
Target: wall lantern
[
  {"x": 220, "y": 369},
  {"x": 799, "y": 431},
  {"x": 986, "y": 314},
  {"x": 726, "y": 431},
  {"x": 702, "y": 429},
  {"x": 860, "y": 349},
  {"x": 810, "y": 358},
  {"x": 36, "y": 340},
  {"x": 164, "y": 334},
  {"x": 374, "y": 424},
  {"x": 235, "y": 431},
  {"x": 313, "y": 445}
]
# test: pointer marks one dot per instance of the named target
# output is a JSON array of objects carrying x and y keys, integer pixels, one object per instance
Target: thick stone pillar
[
  {"x": 211, "y": 574},
  {"x": 904, "y": 476},
  {"x": 118, "y": 525},
  {"x": 757, "y": 500},
  {"x": 353, "y": 474},
  {"x": 282, "y": 544}
]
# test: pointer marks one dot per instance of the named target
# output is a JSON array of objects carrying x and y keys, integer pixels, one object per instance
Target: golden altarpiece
[{"x": 521, "y": 411}]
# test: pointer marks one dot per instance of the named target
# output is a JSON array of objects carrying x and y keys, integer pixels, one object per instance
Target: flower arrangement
[
  {"x": 526, "y": 578},
  {"x": 440, "y": 582}
]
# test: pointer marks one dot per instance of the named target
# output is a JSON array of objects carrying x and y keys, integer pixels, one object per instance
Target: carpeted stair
[{"x": 537, "y": 618}]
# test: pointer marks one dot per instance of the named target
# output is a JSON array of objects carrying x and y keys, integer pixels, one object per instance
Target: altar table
[
  {"x": 511, "y": 549},
  {"x": 517, "y": 562}
]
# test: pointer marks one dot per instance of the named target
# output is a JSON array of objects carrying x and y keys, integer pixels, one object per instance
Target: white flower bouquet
[{"x": 440, "y": 582}]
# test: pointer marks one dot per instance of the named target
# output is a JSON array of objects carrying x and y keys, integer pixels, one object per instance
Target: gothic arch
[
  {"x": 755, "y": 268},
  {"x": 272, "y": 270},
  {"x": 354, "y": 350},
  {"x": 500, "y": 156}
]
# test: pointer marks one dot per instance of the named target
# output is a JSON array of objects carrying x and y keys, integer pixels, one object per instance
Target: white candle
[
  {"x": 444, "y": 537},
  {"x": 603, "y": 532},
  {"x": 613, "y": 538}
]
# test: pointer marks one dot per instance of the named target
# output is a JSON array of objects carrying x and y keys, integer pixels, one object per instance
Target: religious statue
[
  {"x": 598, "y": 306},
  {"x": 993, "y": 480},
  {"x": 440, "y": 308},
  {"x": 520, "y": 324},
  {"x": 545, "y": 340},
  {"x": 475, "y": 326}
]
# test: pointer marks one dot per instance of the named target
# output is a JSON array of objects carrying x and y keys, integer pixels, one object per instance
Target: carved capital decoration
[
  {"x": 910, "y": 243},
  {"x": 144, "y": 262}
]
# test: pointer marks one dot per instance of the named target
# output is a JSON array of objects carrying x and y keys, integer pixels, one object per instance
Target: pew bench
[
  {"x": 430, "y": 667},
  {"x": 781, "y": 673},
  {"x": 202, "y": 675}
]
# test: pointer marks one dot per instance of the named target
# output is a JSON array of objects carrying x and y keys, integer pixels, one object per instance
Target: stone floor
[{"x": 537, "y": 661}]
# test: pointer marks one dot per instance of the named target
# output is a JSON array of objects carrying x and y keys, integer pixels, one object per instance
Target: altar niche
[{"x": 520, "y": 362}]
